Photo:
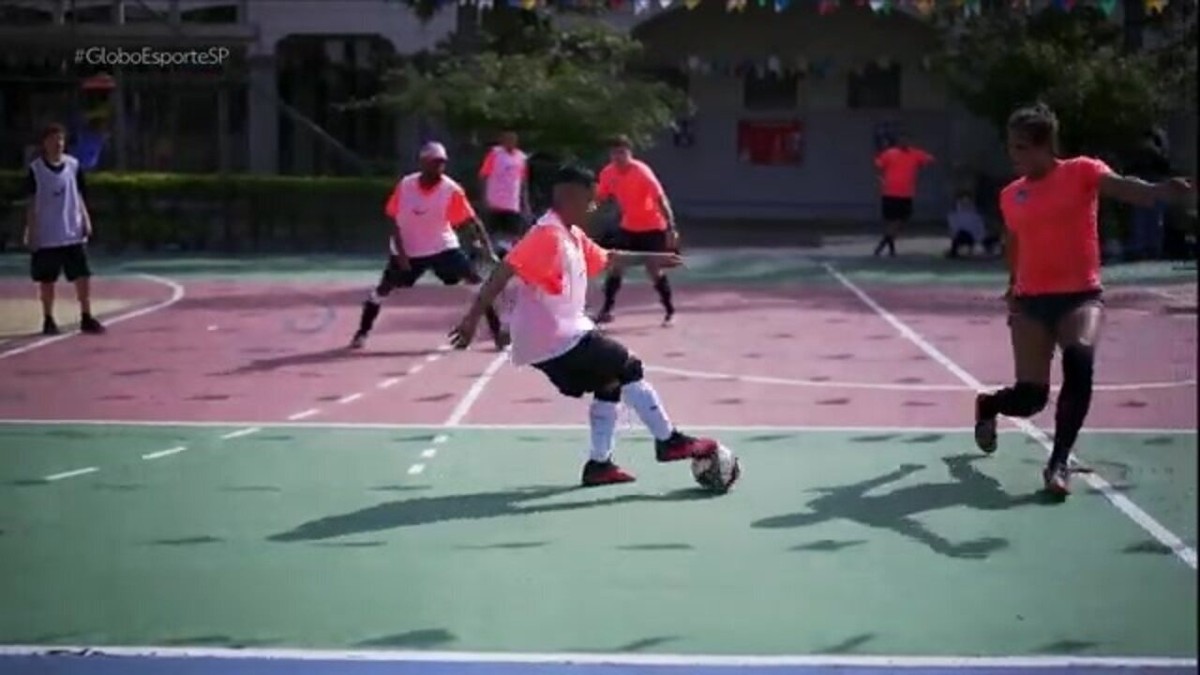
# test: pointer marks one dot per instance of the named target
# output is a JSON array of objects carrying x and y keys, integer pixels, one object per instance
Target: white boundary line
[
  {"x": 1123, "y": 504},
  {"x": 889, "y": 386},
  {"x": 177, "y": 293},
  {"x": 583, "y": 659},
  {"x": 433, "y": 426}
]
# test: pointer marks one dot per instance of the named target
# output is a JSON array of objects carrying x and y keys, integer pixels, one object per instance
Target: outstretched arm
[
  {"x": 464, "y": 332},
  {"x": 1142, "y": 193},
  {"x": 619, "y": 260}
]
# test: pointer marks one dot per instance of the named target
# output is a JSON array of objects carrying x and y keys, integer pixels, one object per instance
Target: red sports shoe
[
  {"x": 604, "y": 473},
  {"x": 681, "y": 446}
]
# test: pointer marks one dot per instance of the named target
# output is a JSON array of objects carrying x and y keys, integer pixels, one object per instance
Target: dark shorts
[
  {"x": 450, "y": 267},
  {"x": 1050, "y": 308},
  {"x": 47, "y": 264},
  {"x": 505, "y": 224},
  {"x": 896, "y": 209},
  {"x": 654, "y": 241},
  {"x": 593, "y": 364}
]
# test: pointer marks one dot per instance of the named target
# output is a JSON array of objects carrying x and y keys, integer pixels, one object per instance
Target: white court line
[
  {"x": 468, "y": 400},
  {"x": 632, "y": 659},
  {"x": 889, "y": 386},
  {"x": 1164, "y": 536},
  {"x": 70, "y": 474},
  {"x": 463, "y": 407},
  {"x": 303, "y": 413},
  {"x": 441, "y": 438},
  {"x": 390, "y": 382},
  {"x": 177, "y": 293},
  {"x": 351, "y": 398},
  {"x": 165, "y": 453},
  {"x": 212, "y": 328},
  {"x": 428, "y": 453},
  {"x": 240, "y": 432}
]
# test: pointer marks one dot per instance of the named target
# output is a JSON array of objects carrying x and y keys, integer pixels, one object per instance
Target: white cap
[{"x": 433, "y": 150}]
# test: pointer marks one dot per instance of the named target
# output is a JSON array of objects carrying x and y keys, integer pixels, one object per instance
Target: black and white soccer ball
[{"x": 716, "y": 471}]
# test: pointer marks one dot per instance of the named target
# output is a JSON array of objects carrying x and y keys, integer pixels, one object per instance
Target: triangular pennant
[
  {"x": 665, "y": 4},
  {"x": 781, "y": 5},
  {"x": 691, "y": 4},
  {"x": 641, "y": 6}
]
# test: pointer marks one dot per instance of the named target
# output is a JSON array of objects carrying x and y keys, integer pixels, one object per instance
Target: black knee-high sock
[
  {"x": 891, "y": 244},
  {"x": 1023, "y": 399},
  {"x": 1074, "y": 401},
  {"x": 493, "y": 321},
  {"x": 611, "y": 286},
  {"x": 370, "y": 311},
  {"x": 664, "y": 293},
  {"x": 883, "y": 242}
]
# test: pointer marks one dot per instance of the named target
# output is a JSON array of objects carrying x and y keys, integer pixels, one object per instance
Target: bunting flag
[
  {"x": 818, "y": 68},
  {"x": 922, "y": 8}
]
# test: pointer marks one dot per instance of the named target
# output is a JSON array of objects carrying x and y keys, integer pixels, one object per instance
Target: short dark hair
[
  {"x": 1037, "y": 123},
  {"x": 52, "y": 129},
  {"x": 620, "y": 141},
  {"x": 574, "y": 175}
]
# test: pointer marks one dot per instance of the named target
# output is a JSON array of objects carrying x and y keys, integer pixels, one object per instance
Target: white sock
[
  {"x": 603, "y": 423},
  {"x": 644, "y": 400}
]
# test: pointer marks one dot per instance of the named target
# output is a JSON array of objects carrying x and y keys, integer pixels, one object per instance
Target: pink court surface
[{"x": 218, "y": 485}]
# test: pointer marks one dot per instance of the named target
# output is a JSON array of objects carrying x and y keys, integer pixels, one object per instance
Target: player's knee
[
  {"x": 1030, "y": 398},
  {"x": 632, "y": 371},
  {"x": 1078, "y": 365},
  {"x": 378, "y": 293}
]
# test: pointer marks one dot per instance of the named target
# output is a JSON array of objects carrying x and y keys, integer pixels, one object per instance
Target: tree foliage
[
  {"x": 1105, "y": 94},
  {"x": 566, "y": 90}
]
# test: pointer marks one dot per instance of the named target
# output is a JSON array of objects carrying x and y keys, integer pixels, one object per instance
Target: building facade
[{"x": 791, "y": 106}]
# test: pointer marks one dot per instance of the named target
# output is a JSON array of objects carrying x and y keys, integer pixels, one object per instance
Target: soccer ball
[{"x": 717, "y": 471}]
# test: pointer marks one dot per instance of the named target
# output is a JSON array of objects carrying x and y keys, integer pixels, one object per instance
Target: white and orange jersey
[
  {"x": 426, "y": 217},
  {"x": 553, "y": 263},
  {"x": 504, "y": 173}
]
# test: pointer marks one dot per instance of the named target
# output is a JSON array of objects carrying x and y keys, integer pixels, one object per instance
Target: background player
[
  {"x": 898, "y": 168},
  {"x": 505, "y": 178},
  {"x": 426, "y": 208},
  {"x": 1054, "y": 291},
  {"x": 57, "y": 227},
  {"x": 552, "y": 333},
  {"x": 647, "y": 222}
]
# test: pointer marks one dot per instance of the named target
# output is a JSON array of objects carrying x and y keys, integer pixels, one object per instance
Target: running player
[
  {"x": 505, "y": 177},
  {"x": 1054, "y": 292},
  {"x": 426, "y": 208},
  {"x": 898, "y": 168},
  {"x": 647, "y": 222},
  {"x": 552, "y": 263},
  {"x": 57, "y": 227}
]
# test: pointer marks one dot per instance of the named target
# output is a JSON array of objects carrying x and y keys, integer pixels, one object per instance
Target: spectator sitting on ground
[{"x": 967, "y": 228}]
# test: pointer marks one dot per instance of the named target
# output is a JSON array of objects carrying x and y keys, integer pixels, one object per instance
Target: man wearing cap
[{"x": 426, "y": 208}]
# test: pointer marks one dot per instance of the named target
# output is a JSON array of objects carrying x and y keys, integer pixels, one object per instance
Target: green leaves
[
  {"x": 1105, "y": 96},
  {"x": 565, "y": 90}
]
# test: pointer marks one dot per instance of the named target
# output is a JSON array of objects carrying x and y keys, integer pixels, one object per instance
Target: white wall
[{"x": 837, "y": 178}]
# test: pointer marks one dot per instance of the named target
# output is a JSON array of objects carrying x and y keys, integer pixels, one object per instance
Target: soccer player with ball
[{"x": 551, "y": 332}]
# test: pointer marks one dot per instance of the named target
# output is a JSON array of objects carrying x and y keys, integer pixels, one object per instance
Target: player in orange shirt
[
  {"x": 647, "y": 222},
  {"x": 898, "y": 168},
  {"x": 550, "y": 331},
  {"x": 1054, "y": 292}
]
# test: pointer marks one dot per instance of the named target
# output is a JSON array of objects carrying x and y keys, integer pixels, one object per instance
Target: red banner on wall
[{"x": 770, "y": 142}]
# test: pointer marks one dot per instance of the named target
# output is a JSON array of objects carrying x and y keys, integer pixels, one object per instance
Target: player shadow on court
[
  {"x": 475, "y": 506},
  {"x": 320, "y": 357},
  {"x": 895, "y": 510}
]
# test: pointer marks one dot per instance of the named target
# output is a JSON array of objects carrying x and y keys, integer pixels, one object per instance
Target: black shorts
[
  {"x": 47, "y": 264},
  {"x": 505, "y": 224},
  {"x": 593, "y": 364},
  {"x": 897, "y": 209},
  {"x": 1050, "y": 308},
  {"x": 451, "y": 267},
  {"x": 654, "y": 241}
]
